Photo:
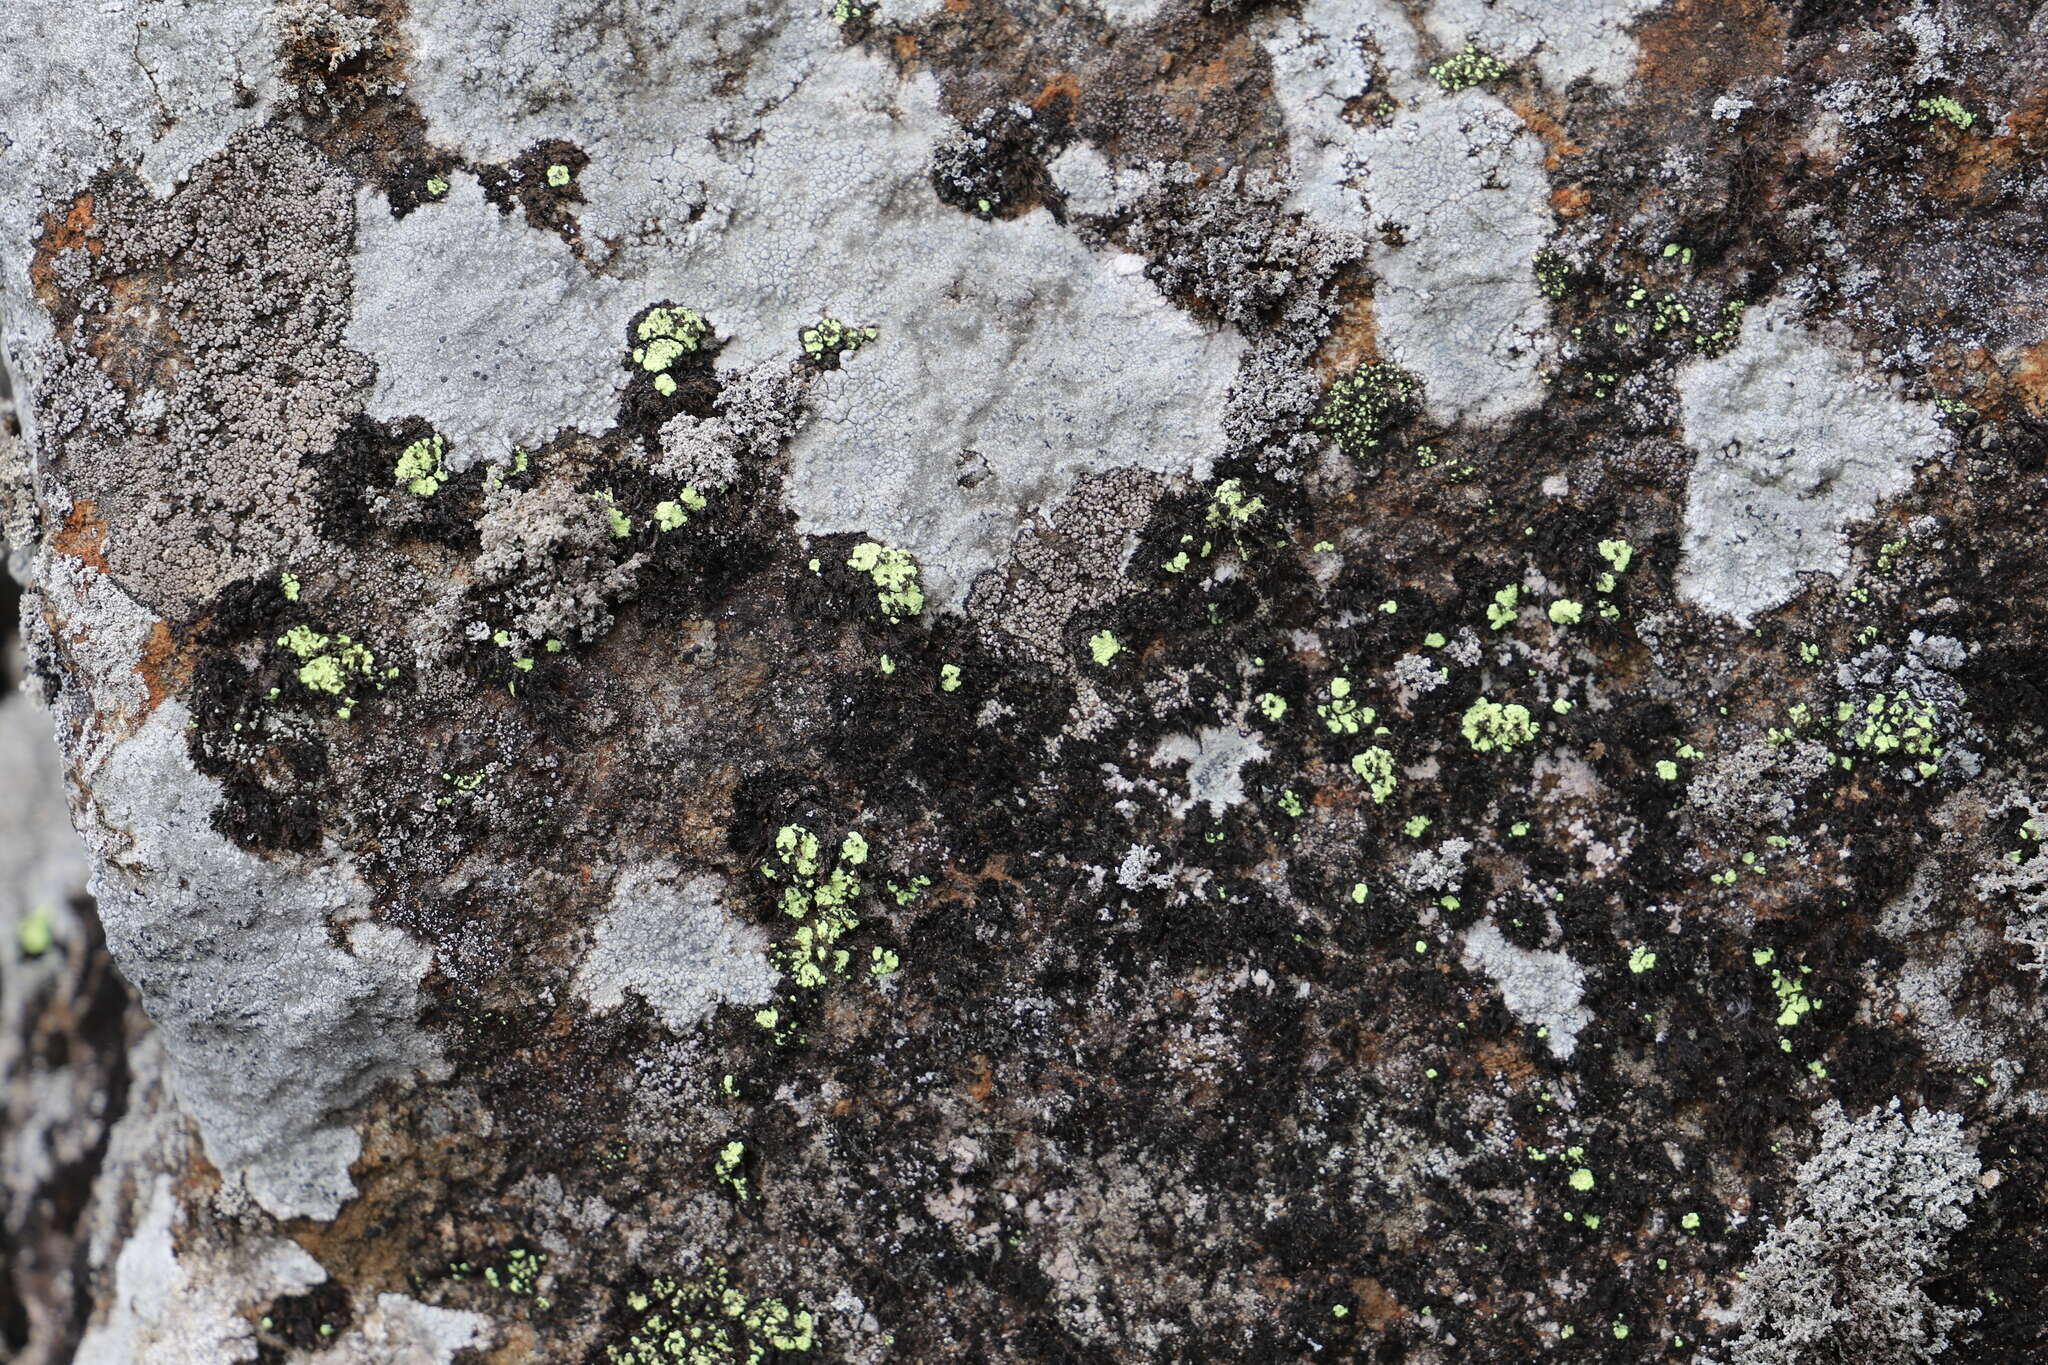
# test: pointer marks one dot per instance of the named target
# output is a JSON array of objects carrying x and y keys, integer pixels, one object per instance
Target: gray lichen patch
[
  {"x": 1542, "y": 988},
  {"x": 1216, "y": 758},
  {"x": 1844, "y": 1277},
  {"x": 1794, "y": 443},
  {"x": 1585, "y": 38},
  {"x": 670, "y": 939},
  {"x": 490, "y": 329},
  {"x": 275, "y": 1033},
  {"x": 157, "y": 84}
]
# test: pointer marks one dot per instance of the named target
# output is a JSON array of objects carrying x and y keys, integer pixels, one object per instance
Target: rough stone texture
[{"x": 1172, "y": 680}]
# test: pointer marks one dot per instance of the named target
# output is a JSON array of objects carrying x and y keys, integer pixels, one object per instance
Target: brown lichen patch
[
  {"x": 1190, "y": 86},
  {"x": 1353, "y": 338},
  {"x": 351, "y": 83}
]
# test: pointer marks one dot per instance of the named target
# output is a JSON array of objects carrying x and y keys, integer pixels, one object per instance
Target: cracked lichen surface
[{"x": 1005, "y": 682}]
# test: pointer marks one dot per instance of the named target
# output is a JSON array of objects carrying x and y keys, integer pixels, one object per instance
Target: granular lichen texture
[{"x": 1007, "y": 682}]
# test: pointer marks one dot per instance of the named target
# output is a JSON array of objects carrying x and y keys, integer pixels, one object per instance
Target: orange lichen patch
[
  {"x": 1569, "y": 201},
  {"x": 1507, "y": 1060},
  {"x": 1557, "y": 144},
  {"x": 83, "y": 536},
  {"x": 163, "y": 667},
  {"x": 1063, "y": 85},
  {"x": 73, "y": 230},
  {"x": 1692, "y": 47}
]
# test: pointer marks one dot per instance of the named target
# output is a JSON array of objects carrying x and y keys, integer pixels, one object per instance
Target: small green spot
[
  {"x": 436, "y": 186},
  {"x": 881, "y": 962},
  {"x": 289, "y": 582},
  {"x": 894, "y": 574},
  {"x": 1581, "y": 1180},
  {"x": 1104, "y": 646},
  {"x": 36, "y": 931},
  {"x": 1667, "y": 770},
  {"x": 1641, "y": 960},
  {"x": 1565, "y": 612},
  {"x": 558, "y": 176},
  {"x": 949, "y": 677},
  {"x": 1272, "y": 705}
]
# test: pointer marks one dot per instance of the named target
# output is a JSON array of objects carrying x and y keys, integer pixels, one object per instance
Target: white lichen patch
[
  {"x": 1216, "y": 758},
  {"x": 274, "y": 1033},
  {"x": 433, "y": 292},
  {"x": 670, "y": 940},
  {"x": 1563, "y": 41},
  {"x": 1540, "y": 988},
  {"x": 396, "y": 1330},
  {"x": 1453, "y": 187},
  {"x": 1795, "y": 441},
  {"x": 763, "y": 173}
]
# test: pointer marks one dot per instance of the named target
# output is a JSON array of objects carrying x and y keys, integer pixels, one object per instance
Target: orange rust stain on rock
[
  {"x": 1375, "y": 1307},
  {"x": 1066, "y": 83},
  {"x": 1976, "y": 159},
  {"x": 1354, "y": 337},
  {"x": 2029, "y": 377},
  {"x": 1692, "y": 47},
  {"x": 74, "y": 229},
  {"x": 83, "y": 536}
]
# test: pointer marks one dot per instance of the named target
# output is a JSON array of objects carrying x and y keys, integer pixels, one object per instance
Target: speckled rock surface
[{"x": 1170, "y": 681}]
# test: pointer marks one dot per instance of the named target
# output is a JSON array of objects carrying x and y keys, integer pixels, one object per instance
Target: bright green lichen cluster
[
  {"x": 1231, "y": 510},
  {"x": 519, "y": 1274},
  {"x": 1553, "y": 273},
  {"x": 558, "y": 177},
  {"x": 822, "y": 905},
  {"x": 332, "y": 663},
  {"x": 1500, "y": 613},
  {"x": 669, "y": 515},
  {"x": 419, "y": 467},
  {"x": 1375, "y": 767},
  {"x": 1362, "y": 405},
  {"x": 1945, "y": 108},
  {"x": 726, "y": 1168},
  {"x": 1888, "y": 725},
  {"x": 1463, "y": 70},
  {"x": 831, "y": 337},
  {"x": 1342, "y": 714},
  {"x": 666, "y": 335},
  {"x": 1104, "y": 646},
  {"x": 707, "y": 1321},
  {"x": 1489, "y": 725},
  {"x": 895, "y": 576}
]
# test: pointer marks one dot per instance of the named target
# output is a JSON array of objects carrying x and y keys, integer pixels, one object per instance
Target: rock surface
[{"x": 1163, "y": 680}]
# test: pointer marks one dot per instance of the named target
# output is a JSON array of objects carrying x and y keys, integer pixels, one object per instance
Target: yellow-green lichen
[
  {"x": 419, "y": 467},
  {"x": 1490, "y": 725},
  {"x": 894, "y": 574},
  {"x": 709, "y": 1321},
  {"x": 1104, "y": 646},
  {"x": 666, "y": 335},
  {"x": 1375, "y": 766}
]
